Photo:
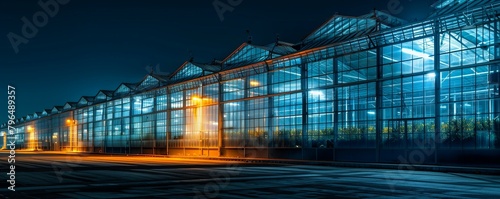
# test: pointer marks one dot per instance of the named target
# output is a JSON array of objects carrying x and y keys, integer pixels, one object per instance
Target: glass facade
[{"x": 432, "y": 86}]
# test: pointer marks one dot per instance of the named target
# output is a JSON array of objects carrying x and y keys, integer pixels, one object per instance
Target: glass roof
[
  {"x": 444, "y": 7},
  {"x": 122, "y": 89},
  {"x": 149, "y": 82},
  {"x": 188, "y": 70},
  {"x": 245, "y": 55},
  {"x": 340, "y": 28},
  {"x": 103, "y": 95}
]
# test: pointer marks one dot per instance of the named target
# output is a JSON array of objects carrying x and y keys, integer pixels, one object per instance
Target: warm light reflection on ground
[{"x": 82, "y": 175}]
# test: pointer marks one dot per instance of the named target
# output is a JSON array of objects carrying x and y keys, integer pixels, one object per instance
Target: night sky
[{"x": 96, "y": 44}]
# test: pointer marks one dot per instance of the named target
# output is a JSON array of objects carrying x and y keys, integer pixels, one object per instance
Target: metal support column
[
  {"x": 168, "y": 128},
  {"x": 155, "y": 109},
  {"x": 335, "y": 106},
  {"x": 437, "y": 87},
  {"x": 304, "y": 89},
  {"x": 220, "y": 119},
  {"x": 379, "y": 102},
  {"x": 183, "y": 140},
  {"x": 130, "y": 129},
  {"x": 270, "y": 113},
  {"x": 245, "y": 116}
]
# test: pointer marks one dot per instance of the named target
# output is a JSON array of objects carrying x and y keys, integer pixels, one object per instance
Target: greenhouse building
[{"x": 372, "y": 88}]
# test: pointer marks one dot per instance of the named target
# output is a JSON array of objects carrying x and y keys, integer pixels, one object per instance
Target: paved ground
[{"x": 52, "y": 175}]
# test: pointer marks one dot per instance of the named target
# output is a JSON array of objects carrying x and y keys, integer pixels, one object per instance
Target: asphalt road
[{"x": 54, "y": 175}]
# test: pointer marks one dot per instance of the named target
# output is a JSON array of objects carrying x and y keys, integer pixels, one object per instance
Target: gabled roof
[
  {"x": 46, "y": 111},
  {"x": 445, "y": 7},
  {"x": 152, "y": 81},
  {"x": 192, "y": 70},
  {"x": 103, "y": 95},
  {"x": 29, "y": 116},
  {"x": 125, "y": 88},
  {"x": 86, "y": 100},
  {"x": 247, "y": 54},
  {"x": 70, "y": 105},
  {"x": 341, "y": 28},
  {"x": 37, "y": 114},
  {"x": 57, "y": 109},
  {"x": 332, "y": 30}
]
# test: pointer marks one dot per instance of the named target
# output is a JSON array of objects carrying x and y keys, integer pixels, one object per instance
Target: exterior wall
[{"x": 425, "y": 94}]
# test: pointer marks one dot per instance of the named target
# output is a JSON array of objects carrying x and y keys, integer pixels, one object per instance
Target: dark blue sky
[{"x": 97, "y": 44}]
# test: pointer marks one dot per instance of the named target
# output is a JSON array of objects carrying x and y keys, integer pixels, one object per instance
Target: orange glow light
[
  {"x": 196, "y": 98},
  {"x": 254, "y": 83}
]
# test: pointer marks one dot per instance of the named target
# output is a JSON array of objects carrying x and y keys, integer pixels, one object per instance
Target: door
[
  {"x": 409, "y": 141},
  {"x": 55, "y": 142}
]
